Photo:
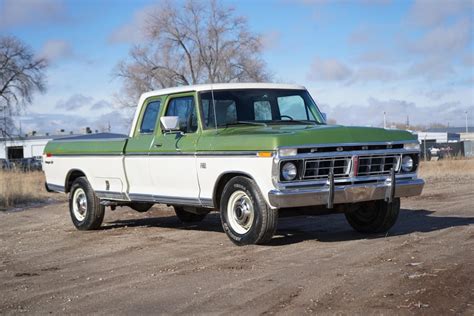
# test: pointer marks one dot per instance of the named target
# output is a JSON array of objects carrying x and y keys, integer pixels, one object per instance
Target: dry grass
[
  {"x": 461, "y": 168},
  {"x": 20, "y": 188}
]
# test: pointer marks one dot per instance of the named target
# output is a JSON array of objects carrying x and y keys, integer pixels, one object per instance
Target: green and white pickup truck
[{"x": 248, "y": 151}]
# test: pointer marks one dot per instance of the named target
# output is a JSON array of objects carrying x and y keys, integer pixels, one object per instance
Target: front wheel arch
[{"x": 222, "y": 180}]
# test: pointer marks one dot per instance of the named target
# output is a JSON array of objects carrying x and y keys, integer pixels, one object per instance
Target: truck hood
[{"x": 273, "y": 136}]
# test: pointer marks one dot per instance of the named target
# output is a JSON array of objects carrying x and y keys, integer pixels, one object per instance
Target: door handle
[{"x": 158, "y": 145}]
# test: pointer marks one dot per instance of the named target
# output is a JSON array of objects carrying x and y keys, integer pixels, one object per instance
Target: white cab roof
[
  {"x": 221, "y": 86},
  {"x": 208, "y": 87}
]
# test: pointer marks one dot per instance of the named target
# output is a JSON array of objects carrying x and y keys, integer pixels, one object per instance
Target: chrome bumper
[{"x": 339, "y": 194}]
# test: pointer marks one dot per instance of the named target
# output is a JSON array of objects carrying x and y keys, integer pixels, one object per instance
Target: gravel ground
[{"x": 151, "y": 263}]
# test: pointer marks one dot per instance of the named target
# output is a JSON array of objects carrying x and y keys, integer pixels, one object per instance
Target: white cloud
[
  {"x": 374, "y": 73},
  {"x": 30, "y": 12},
  {"x": 329, "y": 69},
  {"x": 431, "y": 68},
  {"x": 52, "y": 123},
  {"x": 74, "y": 102},
  {"x": 101, "y": 105},
  {"x": 132, "y": 32},
  {"x": 435, "y": 12},
  {"x": 444, "y": 39},
  {"x": 54, "y": 50},
  {"x": 397, "y": 111}
]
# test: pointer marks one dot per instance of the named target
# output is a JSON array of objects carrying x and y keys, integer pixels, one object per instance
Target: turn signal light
[{"x": 264, "y": 154}]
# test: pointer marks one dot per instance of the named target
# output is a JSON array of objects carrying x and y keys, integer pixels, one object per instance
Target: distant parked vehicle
[
  {"x": 30, "y": 164},
  {"x": 5, "y": 164}
]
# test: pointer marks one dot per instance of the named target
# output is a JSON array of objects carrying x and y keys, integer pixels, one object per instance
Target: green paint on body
[
  {"x": 92, "y": 147},
  {"x": 241, "y": 138}
]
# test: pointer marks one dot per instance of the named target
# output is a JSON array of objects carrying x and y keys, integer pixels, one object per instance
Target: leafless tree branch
[{"x": 200, "y": 42}]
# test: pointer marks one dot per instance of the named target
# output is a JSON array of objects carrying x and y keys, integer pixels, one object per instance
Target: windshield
[{"x": 259, "y": 106}]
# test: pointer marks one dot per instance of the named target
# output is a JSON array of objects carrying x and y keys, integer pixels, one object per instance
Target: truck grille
[
  {"x": 369, "y": 165},
  {"x": 377, "y": 165},
  {"x": 320, "y": 168}
]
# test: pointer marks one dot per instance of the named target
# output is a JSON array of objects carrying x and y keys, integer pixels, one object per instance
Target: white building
[
  {"x": 23, "y": 147},
  {"x": 438, "y": 137}
]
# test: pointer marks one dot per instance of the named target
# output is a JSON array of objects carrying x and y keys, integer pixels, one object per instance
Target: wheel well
[
  {"x": 221, "y": 184},
  {"x": 71, "y": 177}
]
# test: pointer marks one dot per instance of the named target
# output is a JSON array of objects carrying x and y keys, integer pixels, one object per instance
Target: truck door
[
  {"x": 137, "y": 150},
  {"x": 172, "y": 158}
]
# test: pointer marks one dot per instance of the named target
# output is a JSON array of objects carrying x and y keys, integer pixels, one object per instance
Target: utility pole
[
  {"x": 384, "y": 119},
  {"x": 467, "y": 129}
]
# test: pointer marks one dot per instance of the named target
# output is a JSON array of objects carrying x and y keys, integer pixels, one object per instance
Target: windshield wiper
[
  {"x": 246, "y": 123},
  {"x": 296, "y": 121}
]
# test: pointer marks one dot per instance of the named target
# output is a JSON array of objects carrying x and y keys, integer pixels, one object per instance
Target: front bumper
[{"x": 340, "y": 194}]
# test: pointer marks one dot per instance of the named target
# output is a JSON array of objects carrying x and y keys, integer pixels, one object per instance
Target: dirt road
[{"x": 150, "y": 263}]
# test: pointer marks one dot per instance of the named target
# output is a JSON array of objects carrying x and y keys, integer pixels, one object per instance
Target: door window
[{"x": 186, "y": 111}]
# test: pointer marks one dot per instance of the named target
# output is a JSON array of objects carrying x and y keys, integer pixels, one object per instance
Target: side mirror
[
  {"x": 325, "y": 117},
  {"x": 170, "y": 123}
]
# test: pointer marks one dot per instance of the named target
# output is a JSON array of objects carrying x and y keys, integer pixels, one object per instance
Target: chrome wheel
[
  {"x": 79, "y": 204},
  {"x": 240, "y": 212}
]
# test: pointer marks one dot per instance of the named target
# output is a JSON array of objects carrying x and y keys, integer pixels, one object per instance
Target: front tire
[
  {"x": 245, "y": 216},
  {"x": 374, "y": 217},
  {"x": 84, "y": 206}
]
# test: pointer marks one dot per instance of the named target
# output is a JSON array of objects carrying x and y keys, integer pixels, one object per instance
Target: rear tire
[
  {"x": 188, "y": 217},
  {"x": 374, "y": 216},
  {"x": 84, "y": 206},
  {"x": 245, "y": 216}
]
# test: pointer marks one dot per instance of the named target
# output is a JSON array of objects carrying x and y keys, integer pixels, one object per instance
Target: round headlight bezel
[
  {"x": 289, "y": 171},
  {"x": 407, "y": 164}
]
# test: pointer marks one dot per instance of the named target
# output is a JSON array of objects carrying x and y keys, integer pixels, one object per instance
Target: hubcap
[
  {"x": 240, "y": 212},
  {"x": 79, "y": 204}
]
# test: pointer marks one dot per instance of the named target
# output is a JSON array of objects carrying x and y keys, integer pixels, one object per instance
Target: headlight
[
  {"x": 289, "y": 171},
  {"x": 412, "y": 146},
  {"x": 407, "y": 164},
  {"x": 285, "y": 152}
]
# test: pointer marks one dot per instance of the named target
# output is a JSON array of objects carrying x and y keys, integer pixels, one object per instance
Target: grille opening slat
[
  {"x": 319, "y": 168},
  {"x": 377, "y": 165}
]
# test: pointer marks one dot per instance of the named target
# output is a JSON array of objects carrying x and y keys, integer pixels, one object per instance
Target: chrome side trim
[{"x": 139, "y": 197}]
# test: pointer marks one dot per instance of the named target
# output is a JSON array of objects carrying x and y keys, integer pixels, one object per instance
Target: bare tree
[
  {"x": 21, "y": 75},
  {"x": 202, "y": 42}
]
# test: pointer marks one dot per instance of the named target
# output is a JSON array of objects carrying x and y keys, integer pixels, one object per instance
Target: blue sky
[{"x": 358, "y": 58}]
